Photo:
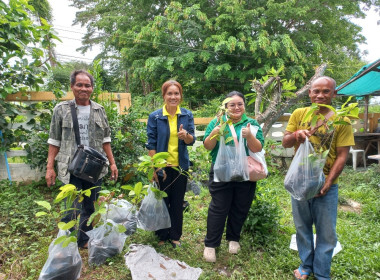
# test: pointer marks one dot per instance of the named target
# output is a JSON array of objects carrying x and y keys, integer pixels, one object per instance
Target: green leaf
[
  {"x": 121, "y": 229},
  {"x": 66, "y": 226},
  {"x": 68, "y": 240},
  {"x": 162, "y": 155},
  {"x": 325, "y": 153},
  {"x": 87, "y": 192},
  {"x": 127, "y": 187},
  {"x": 138, "y": 188},
  {"x": 44, "y": 204},
  {"x": 39, "y": 214},
  {"x": 60, "y": 239}
]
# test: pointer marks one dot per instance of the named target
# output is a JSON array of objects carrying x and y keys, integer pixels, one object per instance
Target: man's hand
[
  {"x": 326, "y": 187},
  {"x": 50, "y": 177},
  {"x": 114, "y": 172},
  {"x": 300, "y": 135}
]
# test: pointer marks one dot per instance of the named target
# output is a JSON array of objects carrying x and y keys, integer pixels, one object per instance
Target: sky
[{"x": 64, "y": 16}]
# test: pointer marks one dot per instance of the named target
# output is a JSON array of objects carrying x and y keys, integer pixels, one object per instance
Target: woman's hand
[
  {"x": 182, "y": 133},
  {"x": 215, "y": 131},
  {"x": 246, "y": 132}
]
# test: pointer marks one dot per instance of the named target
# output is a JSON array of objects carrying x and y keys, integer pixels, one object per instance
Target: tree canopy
[
  {"x": 22, "y": 60},
  {"x": 213, "y": 47}
]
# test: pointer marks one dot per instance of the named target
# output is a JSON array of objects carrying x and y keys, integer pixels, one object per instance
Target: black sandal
[{"x": 175, "y": 245}]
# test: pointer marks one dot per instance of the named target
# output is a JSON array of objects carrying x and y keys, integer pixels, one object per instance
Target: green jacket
[
  {"x": 238, "y": 126},
  {"x": 62, "y": 135}
]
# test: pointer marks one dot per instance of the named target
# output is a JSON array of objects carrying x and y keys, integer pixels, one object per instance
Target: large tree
[
  {"x": 22, "y": 61},
  {"x": 216, "y": 46}
]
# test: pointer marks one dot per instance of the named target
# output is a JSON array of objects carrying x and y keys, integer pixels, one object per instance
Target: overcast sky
[{"x": 64, "y": 16}]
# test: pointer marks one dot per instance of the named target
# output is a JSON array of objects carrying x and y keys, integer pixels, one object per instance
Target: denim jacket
[
  {"x": 158, "y": 134},
  {"x": 62, "y": 135}
]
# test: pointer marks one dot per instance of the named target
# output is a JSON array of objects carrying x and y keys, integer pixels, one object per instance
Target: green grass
[{"x": 24, "y": 241}]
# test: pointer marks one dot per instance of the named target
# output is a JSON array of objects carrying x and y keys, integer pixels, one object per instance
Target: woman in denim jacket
[{"x": 171, "y": 129}]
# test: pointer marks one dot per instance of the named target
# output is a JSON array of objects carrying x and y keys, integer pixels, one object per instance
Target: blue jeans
[{"x": 322, "y": 212}]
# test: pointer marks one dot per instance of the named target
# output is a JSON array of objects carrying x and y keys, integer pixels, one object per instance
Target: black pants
[
  {"x": 85, "y": 208},
  {"x": 231, "y": 201},
  {"x": 174, "y": 202}
]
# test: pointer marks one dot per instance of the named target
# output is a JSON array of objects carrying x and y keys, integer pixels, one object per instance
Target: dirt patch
[{"x": 350, "y": 206}]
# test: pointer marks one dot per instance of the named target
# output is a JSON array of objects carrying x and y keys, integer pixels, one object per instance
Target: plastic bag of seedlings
[
  {"x": 305, "y": 177},
  {"x": 153, "y": 213},
  {"x": 119, "y": 211},
  {"x": 193, "y": 186},
  {"x": 62, "y": 263},
  {"x": 231, "y": 164},
  {"x": 131, "y": 224},
  {"x": 105, "y": 242}
]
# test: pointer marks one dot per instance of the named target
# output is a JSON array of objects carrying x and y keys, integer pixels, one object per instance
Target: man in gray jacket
[{"x": 94, "y": 131}]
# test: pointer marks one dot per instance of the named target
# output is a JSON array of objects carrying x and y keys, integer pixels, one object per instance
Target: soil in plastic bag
[
  {"x": 62, "y": 263},
  {"x": 105, "y": 242}
]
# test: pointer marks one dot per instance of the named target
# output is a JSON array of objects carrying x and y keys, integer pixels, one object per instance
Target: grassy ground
[{"x": 24, "y": 241}]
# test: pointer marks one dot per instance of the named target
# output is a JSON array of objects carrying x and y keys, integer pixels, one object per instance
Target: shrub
[
  {"x": 128, "y": 137},
  {"x": 264, "y": 216}
]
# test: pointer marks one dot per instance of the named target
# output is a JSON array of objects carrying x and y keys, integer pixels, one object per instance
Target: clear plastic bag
[
  {"x": 305, "y": 177},
  {"x": 153, "y": 213},
  {"x": 231, "y": 162},
  {"x": 105, "y": 242},
  {"x": 62, "y": 263},
  {"x": 131, "y": 224},
  {"x": 119, "y": 211},
  {"x": 193, "y": 186}
]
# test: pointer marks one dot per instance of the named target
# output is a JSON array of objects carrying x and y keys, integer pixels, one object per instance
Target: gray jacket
[{"x": 62, "y": 135}]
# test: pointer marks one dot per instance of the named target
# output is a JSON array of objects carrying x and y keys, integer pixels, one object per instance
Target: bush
[
  {"x": 264, "y": 216},
  {"x": 201, "y": 162},
  {"x": 128, "y": 143}
]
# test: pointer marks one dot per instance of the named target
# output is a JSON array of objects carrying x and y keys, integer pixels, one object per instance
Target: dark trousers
[
  {"x": 231, "y": 201},
  {"x": 174, "y": 202},
  {"x": 84, "y": 209}
]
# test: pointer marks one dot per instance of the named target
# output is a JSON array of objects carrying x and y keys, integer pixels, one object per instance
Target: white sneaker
[
  {"x": 233, "y": 247},
  {"x": 209, "y": 254}
]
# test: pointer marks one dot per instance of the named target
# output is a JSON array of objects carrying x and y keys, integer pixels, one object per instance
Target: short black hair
[
  {"x": 74, "y": 74},
  {"x": 233, "y": 93}
]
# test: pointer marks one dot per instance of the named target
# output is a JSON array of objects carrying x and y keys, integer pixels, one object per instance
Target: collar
[
  {"x": 165, "y": 112},
  {"x": 94, "y": 105},
  {"x": 243, "y": 119}
]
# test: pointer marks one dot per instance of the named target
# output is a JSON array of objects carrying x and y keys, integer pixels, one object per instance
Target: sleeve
[
  {"x": 55, "y": 133},
  {"x": 293, "y": 121},
  {"x": 151, "y": 130},
  {"x": 107, "y": 129},
  {"x": 209, "y": 128},
  {"x": 345, "y": 135},
  {"x": 259, "y": 134},
  {"x": 191, "y": 127}
]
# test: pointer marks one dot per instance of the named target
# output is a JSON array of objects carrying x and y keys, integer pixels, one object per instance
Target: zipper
[{"x": 84, "y": 165}]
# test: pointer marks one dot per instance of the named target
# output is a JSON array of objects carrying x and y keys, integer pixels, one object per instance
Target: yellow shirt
[
  {"x": 173, "y": 158},
  {"x": 342, "y": 137}
]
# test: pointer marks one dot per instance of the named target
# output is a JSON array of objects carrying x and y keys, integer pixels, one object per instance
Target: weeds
[{"x": 265, "y": 250}]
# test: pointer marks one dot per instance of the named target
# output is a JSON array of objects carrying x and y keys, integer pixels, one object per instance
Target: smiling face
[
  {"x": 172, "y": 97},
  {"x": 236, "y": 108},
  {"x": 82, "y": 89},
  {"x": 322, "y": 91}
]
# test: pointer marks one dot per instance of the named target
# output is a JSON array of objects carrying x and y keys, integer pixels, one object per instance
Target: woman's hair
[
  {"x": 233, "y": 93},
  {"x": 169, "y": 83},
  {"x": 74, "y": 74}
]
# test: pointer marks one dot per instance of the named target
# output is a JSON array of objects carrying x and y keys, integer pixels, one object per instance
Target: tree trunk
[{"x": 277, "y": 108}]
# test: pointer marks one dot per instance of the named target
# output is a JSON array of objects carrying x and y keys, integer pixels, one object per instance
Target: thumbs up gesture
[
  {"x": 246, "y": 131},
  {"x": 182, "y": 133}
]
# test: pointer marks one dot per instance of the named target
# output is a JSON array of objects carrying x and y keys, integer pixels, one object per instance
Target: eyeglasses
[{"x": 233, "y": 105}]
